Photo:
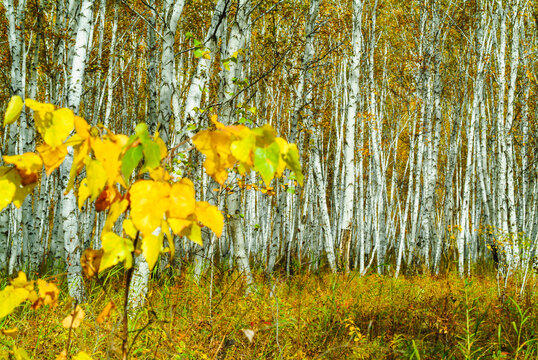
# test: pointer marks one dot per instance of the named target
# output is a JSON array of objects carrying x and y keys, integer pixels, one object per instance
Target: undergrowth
[{"x": 306, "y": 316}]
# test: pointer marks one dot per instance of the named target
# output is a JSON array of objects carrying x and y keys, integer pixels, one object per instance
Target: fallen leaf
[{"x": 74, "y": 319}]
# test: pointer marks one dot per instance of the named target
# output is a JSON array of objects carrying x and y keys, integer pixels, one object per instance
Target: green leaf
[
  {"x": 13, "y": 110},
  {"x": 151, "y": 150},
  {"x": 152, "y": 154},
  {"x": 198, "y": 53},
  {"x": 115, "y": 250},
  {"x": 130, "y": 161},
  {"x": 266, "y": 161}
]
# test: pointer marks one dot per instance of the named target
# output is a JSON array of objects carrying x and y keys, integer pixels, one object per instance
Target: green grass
[{"x": 307, "y": 316}]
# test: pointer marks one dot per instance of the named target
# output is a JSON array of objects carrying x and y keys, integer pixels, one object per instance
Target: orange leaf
[{"x": 106, "y": 312}]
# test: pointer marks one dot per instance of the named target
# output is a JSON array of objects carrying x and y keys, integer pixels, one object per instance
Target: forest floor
[{"x": 306, "y": 316}]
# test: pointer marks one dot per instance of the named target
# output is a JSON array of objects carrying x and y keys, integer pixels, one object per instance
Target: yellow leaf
[
  {"x": 82, "y": 355},
  {"x": 13, "y": 110},
  {"x": 159, "y": 174},
  {"x": 210, "y": 216},
  {"x": 179, "y": 226},
  {"x": 115, "y": 249},
  {"x": 28, "y": 165},
  {"x": 62, "y": 355},
  {"x": 96, "y": 176},
  {"x": 83, "y": 192},
  {"x": 20, "y": 353},
  {"x": 80, "y": 155},
  {"x": 108, "y": 153},
  {"x": 8, "y": 187},
  {"x": 182, "y": 199},
  {"x": 129, "y": 228},
  {"x": 11, "y": 188},
  {"x": 283, "y": 145},
  {"x": 195, "y": 234},
  {"x": 215, "y": 145},
  {"x": 91, "y": 262},
  {"x": 10, "y": 298},
  {"x": 149, "y": 202},
  {"x": 21, "y": 281},
  {"x": 81, "y": 127},
  {"x": 48, "y": 294},
  {"x": 74, "y": 319},
  {"x": 116, "y": 209},
  {"x": 242, "y": 148},
  {"x": 63, "y": 122},
  {"x": 12, "y": 333},
  {"x": 52, "y": 157},
  {"x": 151, "y": 247},
  {"x": 162, "y": 146},
  {"x": 166, "y": 231}
]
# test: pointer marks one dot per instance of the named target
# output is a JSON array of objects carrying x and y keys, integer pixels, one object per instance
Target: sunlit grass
[{"x": 315, "y": 316}]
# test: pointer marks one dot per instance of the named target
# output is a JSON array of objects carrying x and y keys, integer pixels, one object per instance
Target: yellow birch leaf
[
  {"x": 12, "y": 333},
  {"x": 80, "y": 155},
  {"x": 195, "y": 234},
  {"x": 162, "y": 146},
  {"x": 81, "y": 127},
  {"x": 115, "y": 250},
  {"x": 96, "y": 176},
  {"x": 83, "y": 193},
  {"x": 210, "y": 216},
  {"x": 108, "y": 153},
  {"x": 52, "y": 157},
  {"x": 90, "y": 261},
  {"x": 159, "y": 174},
  {"x": 129, "y": 228},
  {"x": 10, "y": 298},
  {"x": 179, "y": 226},
  {"x": 48, "y": 294},
  {"x": 74, "y": 319},
  {"x": 182, "y": 199},
  {"x": 29, "y": 166},
  {"x": 13, "y": 110},
  {"x": 149, "y": 202},
  {"x": 8, "y": 188},
  {"x": 242, "y": 149},
  {"x": 63, "y": 122},
  {"x": 215, "y": 145},
  {"x": 21, "y": 191},
  {"x": 42, "y": 115},
  {"x": 82, "y": 355},
  {"x": 151, "y": 247},
  {"x": 116, "y": 209},
  {"x": 283, "y": 145},
  {"x": 62, "y": 355},
  {"x": 20, "y": 353},
  {"x": 166, "y": 231},
  {"x": 21, "y": 281}
]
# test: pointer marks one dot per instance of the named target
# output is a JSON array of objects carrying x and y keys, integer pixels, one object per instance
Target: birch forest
[{"x": 374, "y": 139}]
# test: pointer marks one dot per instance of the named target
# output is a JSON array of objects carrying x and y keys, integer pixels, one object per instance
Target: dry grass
[{"x": 307, "y": 316}]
